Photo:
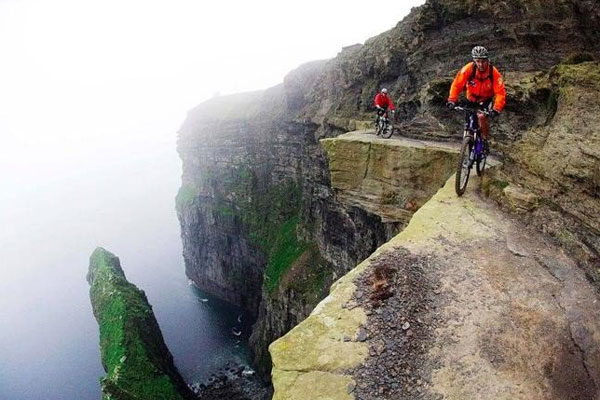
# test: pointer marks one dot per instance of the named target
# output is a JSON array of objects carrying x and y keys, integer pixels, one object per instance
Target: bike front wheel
[
  {"x": 387, "y": 131},
  {"x": 480, "y": 165},
  {"x": 463, "y": 167},
  {"x": 379, "y": 128}
]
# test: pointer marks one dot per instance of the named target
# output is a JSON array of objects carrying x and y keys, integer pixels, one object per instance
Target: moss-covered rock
[
  {"x": 557, "y": 164},
  {"x": 319, "y": 350},
  {"x": 134, "y": 355},
  {"x": 269, "y": 214}
]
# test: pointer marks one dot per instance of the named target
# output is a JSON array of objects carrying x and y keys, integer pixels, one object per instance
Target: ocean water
[{"x": 51, "y": 219}]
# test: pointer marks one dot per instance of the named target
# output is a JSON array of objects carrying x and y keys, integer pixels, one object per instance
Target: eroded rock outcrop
[
  {"x": 134, "y": 355},
  {"x": 464, "y": 303},
  {"x": 388, "y": 178}
]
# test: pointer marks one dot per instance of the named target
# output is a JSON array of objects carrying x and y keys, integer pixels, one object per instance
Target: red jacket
[
  {"x": 383, "y": 100},
  {"x": 480, "y": 87}
]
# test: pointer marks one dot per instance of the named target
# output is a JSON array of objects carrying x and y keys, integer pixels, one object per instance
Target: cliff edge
[{"x": 465, "y": 303}]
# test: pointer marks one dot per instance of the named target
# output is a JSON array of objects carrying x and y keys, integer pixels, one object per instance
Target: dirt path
[{"x": 514, "y": 318}]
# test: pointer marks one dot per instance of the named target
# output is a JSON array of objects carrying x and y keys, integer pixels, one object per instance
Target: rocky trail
[
  {"x": 465, "y": 303},
  {"x": 451, "y": 146}
]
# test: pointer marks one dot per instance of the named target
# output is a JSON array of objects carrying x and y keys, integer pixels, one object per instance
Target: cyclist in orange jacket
[{"x": 485, "y": 88}]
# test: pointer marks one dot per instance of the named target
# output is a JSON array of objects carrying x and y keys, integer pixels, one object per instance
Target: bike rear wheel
[
  {"x": 463, "y": 167},
  {"x": 387, "y": 131}
]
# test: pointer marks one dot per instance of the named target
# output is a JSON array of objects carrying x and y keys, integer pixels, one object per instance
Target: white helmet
[
  {"x": 384, "y": 90},
  {"x": 479, "y": 52}
]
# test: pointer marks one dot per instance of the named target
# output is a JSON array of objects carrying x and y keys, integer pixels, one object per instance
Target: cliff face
[
  {"x": 256, "y": 208},
  {"x": 134, "y": 355},
  {"x": 388, "y": 178},
  {"x": 266, "y": 225}
]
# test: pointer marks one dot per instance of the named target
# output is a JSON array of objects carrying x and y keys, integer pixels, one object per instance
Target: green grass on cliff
[
  {"x": 124, "y": 315},
  {"x": 268, "y": 211},
  {"x": 586, "y": 74},
  {"x": 185, "y": 196},
  {"x": 286, "y": 249}
]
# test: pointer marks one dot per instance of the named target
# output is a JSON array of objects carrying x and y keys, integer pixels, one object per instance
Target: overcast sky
[{"x": 80, "y": 77}]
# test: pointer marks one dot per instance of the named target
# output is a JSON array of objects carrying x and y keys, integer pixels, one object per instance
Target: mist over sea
[{"x": 52, "y": 217}]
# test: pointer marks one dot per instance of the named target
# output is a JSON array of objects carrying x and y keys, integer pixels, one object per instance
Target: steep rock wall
[
  {"x": 259, "y": 220},
  {"x": 551, "y": 177}
]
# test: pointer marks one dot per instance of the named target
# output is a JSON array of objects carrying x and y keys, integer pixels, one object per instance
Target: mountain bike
[
  {"x": 384, "y": 126},
  {"x": 472, "y": 149}
]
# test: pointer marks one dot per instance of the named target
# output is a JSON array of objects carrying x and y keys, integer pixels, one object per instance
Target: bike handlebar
[{"x": 475, "y": 110}]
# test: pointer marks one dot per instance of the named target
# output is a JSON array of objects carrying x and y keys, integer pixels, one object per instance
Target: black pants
[{"x": 380, "y": 112}]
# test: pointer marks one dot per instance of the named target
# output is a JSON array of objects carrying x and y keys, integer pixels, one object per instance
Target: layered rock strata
[
  {"x": 388, "y": 178},
  {"x": 417, "y": 58},
  {"x": 464, "y": 303},
  {"x": 134, "y": 355}
]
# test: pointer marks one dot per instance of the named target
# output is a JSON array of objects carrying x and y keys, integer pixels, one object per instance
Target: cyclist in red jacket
[{"x": 382, "y": 103}]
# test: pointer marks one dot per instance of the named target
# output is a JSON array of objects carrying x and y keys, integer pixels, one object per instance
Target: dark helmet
[{"x": 479, "y": 52}]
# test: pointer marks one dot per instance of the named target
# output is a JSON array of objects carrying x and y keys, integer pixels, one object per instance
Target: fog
[{"x": 91, "y": 97}]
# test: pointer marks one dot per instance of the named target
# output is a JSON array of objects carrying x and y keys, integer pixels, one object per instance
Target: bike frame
[
  {"x": 472, "y": 130},
  {"x": 384, "y": 115},
  {"x": 384, "y": 125},
  {"x": 472, "y": 149}
]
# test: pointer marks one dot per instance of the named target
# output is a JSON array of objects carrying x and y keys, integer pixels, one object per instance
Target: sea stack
[{"x": 137, "y": 362}]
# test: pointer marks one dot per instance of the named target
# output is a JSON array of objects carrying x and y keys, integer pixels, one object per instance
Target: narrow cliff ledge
[
  {"x": 464, "y": 303},
  {"x": 389, "y": 178},
  {"x": 134, "y": 355}
]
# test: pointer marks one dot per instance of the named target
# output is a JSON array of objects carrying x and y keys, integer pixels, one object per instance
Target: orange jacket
[{"x": 480, "y": 87}]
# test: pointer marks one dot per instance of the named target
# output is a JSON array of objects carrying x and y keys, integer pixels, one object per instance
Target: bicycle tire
[
  {"x": 462, "y": 167},
  {"x": 388, "y": 130},
  {"x": 480, "y": 165},
  {"x": 379, "y": 127}
]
